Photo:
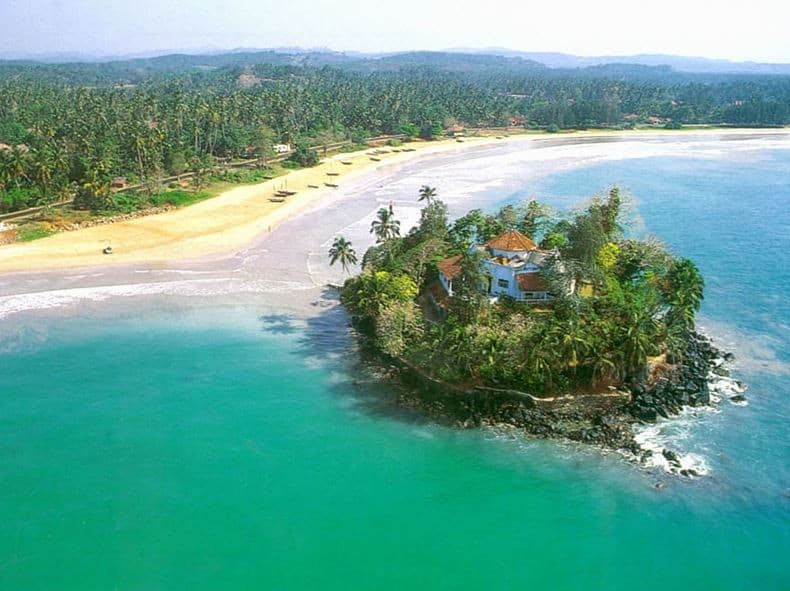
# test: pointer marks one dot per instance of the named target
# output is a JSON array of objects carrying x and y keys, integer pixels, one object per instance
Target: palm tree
[
  {"x": 637, "y": 339},
  {"x": 385, "y": 226},
  {"x": 341, "y": 251},
  {"x": 18, "y": 161},
  {"x": 687, "y": 291},
  {"x": 427, "y": 194},
  {"x": 5, "y": 169},
  {"x": 572, "y": 341},
  {"x": 43, "y": 169}
]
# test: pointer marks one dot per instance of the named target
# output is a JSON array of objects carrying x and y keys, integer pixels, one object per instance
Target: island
[{"x": 559, "y": 325}]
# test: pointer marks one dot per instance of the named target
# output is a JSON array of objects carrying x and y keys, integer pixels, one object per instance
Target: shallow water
[{"x": 165, "y": 441}]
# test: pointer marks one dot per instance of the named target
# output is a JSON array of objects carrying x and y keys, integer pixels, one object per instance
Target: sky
[{"x": 742, "y": 31}]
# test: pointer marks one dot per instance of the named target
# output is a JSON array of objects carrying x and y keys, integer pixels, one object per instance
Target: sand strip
[{"x": 235, "y": 218}]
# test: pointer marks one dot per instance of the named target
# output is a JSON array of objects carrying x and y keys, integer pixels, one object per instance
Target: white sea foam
[
  {"x": 193, "y": 287},
  {"x": 665, "y": 436}
]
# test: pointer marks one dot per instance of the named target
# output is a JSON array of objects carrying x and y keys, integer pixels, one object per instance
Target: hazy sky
[{"x": 739, "y": 30}]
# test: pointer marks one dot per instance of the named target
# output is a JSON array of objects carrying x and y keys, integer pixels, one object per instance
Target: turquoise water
[{"x": 184, "y": 446}]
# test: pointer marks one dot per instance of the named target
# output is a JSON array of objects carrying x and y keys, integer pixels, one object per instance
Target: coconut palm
[
  {"x": 385, "y": 226},
  {"x": 427, "y": 194},
  {"x": 18, "y": 162},
  {"x": 686, "y": 292},
  {"x": 638, "y": 337},
  {"x": 341, "y": 251}
]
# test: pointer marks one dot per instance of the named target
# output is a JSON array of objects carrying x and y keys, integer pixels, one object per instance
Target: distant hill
[
  {"x": 657, "y": 68},
  {"x": 447, "y": 61},
  {"x": 678, "y": 63}
]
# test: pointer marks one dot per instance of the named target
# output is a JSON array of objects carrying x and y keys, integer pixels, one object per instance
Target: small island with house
[{"x": 559, "y": 325}]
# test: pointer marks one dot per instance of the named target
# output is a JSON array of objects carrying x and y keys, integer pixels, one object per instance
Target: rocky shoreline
[{"x": 604, "y": 420}]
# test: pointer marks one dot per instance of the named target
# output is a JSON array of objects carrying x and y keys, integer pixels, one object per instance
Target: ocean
[{"x": 166, "y": 441}]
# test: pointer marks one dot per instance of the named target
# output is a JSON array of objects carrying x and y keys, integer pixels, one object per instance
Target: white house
[
  {"x": 512, "y": 266},
  {"x": 281, "y": 148}
]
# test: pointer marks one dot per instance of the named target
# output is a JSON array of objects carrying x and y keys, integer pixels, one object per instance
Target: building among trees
[{"x": 511, "y": 266}]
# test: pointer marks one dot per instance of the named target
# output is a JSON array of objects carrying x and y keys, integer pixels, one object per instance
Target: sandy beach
[
  {"x": 241, "y": 248},
  {"x": 218, "y": 225},
  {"x": 237, "y": 217}
]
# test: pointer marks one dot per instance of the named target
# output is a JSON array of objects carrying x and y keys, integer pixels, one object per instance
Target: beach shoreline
[{"x": 238, "y": 217}]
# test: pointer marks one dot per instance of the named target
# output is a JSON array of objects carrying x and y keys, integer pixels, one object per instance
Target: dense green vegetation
[
  {"x": 69, "y": 129},
  {"x": 632, "y": 300}
]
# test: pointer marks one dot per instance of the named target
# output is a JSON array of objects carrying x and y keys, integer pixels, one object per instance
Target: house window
[{"x": 503, "y": 283}]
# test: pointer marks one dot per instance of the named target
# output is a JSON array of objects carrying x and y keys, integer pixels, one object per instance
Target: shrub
[
  {"x": 303, "y": 155},
  {"x": 17, "y": 199}
]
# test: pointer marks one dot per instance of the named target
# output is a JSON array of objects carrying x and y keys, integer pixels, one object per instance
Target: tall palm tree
[
  {"x": 341, "y": 251},
  {"x": 686, "y": 293},
  {"x": 5, "y": 169},
  {"x": 18, "y": 161},
  {"x": 637, "y": 339},
  {"x": 385, "y": 226},
  {"x": 427, "y": 194}
]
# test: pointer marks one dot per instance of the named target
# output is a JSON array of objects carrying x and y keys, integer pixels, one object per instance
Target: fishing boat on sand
[{"x": 283, "y": 191}]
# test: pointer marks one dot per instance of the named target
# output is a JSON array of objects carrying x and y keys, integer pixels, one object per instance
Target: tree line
[{"x": 60, "y": 134}]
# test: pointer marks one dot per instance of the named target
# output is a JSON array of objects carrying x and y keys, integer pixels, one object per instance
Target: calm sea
[{"x": 171, "y": 445}]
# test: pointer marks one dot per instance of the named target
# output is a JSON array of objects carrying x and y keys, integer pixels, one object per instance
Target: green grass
[
  {"x": 246, "y": 176},
  {"x": 178, "y": 198},
  {"x": 131, "y": 201},
  {"x": 33, "y": 231},
  {"x": 353, "y": 148}
]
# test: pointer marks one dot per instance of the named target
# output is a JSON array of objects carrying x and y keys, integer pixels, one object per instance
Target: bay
[{"x": 168, "y": 443}]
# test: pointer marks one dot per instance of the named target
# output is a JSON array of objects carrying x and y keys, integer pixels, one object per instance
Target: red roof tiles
[
  {"x": 450, "y": 267},
  {"x": 530, "y": 282},
  {"x": 511, "y": 241}
]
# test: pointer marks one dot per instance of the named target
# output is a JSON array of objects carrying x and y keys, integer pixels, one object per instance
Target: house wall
[
  {"x": 446, "y": 284},
  {"x": 502, "y": 273},
  {"x": 506, "y": 253}
]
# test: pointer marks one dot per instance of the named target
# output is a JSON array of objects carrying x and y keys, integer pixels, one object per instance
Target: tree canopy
[
  {"x": 64, "y": 126},
  {"x": 632, "y": 301}
]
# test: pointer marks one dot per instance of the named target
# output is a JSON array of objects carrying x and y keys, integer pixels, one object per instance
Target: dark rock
[
  {"x": 671, "y": 457},
  {"x": 738, "y": 398},
  {"x": 647, "y": 415}
]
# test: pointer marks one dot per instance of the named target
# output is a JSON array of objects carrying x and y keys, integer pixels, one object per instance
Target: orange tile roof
[
  {"x": 530, "y": 282},
  {"x": 511, "y": 241},
  {"x": 450, "y": 267}
]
